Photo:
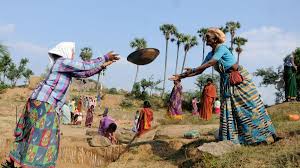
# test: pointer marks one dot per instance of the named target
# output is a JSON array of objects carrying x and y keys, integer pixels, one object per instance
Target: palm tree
[
  {"x": 202, "y": 32},
  {"x": 86, "y": 53},
  {"x": 168, "y": 30},
  {"x": 231, "y": 27},
  {"x": 138, "y": 43},
  {"x": 239, "y": 41},
  {"x": 223, "y": 29},
  {"x": 3, "y": 50},
  {"x": 179, "y": 38},
  {"x": 189, "y": 42}
]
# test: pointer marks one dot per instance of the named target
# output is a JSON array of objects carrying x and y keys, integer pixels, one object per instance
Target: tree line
[
  {"x": 11, "y": 72},
  {"x": 188, "y": 41}
]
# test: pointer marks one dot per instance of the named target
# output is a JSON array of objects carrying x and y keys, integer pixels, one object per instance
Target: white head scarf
[{"x": 63, "y": 49}]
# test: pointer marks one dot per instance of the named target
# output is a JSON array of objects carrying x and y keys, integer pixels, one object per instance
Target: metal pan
[{"x": 143, "y": 56}]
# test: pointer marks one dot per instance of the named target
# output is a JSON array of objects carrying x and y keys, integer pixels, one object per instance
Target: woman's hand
[
  {"x": 103, "y": 66},
  {"x": 174, "y": 78},
  {"x": 188, "y": 71},
  {"x": 112, "y": 56}
]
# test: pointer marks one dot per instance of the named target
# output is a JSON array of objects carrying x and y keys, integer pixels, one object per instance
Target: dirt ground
[{"x": 164, "y": 146}]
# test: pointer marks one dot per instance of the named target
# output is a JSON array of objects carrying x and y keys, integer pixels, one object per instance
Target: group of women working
[
  {"x": 243, "y": 118},
  {"x": 203, "y": 108}
]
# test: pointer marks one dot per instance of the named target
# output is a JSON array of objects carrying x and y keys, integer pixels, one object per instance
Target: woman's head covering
[
  {"x": 217, "y": 33},
  {"x": 63, "y": 49}
]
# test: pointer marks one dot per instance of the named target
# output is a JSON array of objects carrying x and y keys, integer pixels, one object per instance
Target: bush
[
  {"x": 3, "y": 88},
  {"x": 113, "y": 91},
  {"x": 156, "y": 102},
  {"x": 136, "y": 90},
  {"x": 126, "y": 103},
  {"x": 187, "y": 100},
  {"x": 166, "y": 99}
]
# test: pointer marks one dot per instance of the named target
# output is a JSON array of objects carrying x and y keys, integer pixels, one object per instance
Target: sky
[{"x": 30, "y": 28}]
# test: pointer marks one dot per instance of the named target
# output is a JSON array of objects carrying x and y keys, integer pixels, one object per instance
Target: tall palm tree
[
  {"x": 3, "y": 50},
  {"x": 86, "y": 53},
  {"x": 179, "y": 39},
  {"x": 189, "y": 42},
  {"x": 202, "y": 32},
  {"x": 168, "y": 30},
  {"x": 231, "y": 27},
  {"x": 223, "y": 29},
  {"x": 137, "y": 44},
  {"x": 239, "y": 41}
]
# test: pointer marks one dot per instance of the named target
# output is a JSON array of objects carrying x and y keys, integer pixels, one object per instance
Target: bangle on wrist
[
  {"x": 182, "y": 76},
  {"x": 193, "y": 70},
  {"x": 106, "y": 57}
]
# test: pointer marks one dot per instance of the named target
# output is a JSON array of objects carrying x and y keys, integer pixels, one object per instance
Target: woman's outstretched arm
[{"x": 198, "y": 70}]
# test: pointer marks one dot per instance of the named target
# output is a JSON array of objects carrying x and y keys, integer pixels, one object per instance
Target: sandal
[{"x": 8, "y": 164}]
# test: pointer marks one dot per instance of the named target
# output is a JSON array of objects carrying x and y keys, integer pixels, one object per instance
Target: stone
[
  {"x": 218, "y": 148},
  {"x": 99, "y": 141}
]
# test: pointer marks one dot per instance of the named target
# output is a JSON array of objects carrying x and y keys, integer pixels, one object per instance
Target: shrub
[
  {"x": 126, "y": 103},
  {"x": 136, "y": 90},
  {"x": 3, "y": 88},
  {"x": 113, "y": 91},
  {"x": 187, "y": 100}
]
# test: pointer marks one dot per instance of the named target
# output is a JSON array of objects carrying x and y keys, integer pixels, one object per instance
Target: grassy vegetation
[{"x": 283, "y": 154}]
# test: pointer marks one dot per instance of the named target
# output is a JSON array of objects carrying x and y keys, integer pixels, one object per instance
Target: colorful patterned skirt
[
  {"x": 290, "y": 83},
  {"x": 36, "y": 136},
  {"x": 243, "y": 118}
]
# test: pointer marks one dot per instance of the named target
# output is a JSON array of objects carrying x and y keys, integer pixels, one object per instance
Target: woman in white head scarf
[{"x": 37, "y": 131}]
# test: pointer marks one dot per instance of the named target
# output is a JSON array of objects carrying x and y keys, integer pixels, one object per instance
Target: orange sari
[
  {"x": 144, "y": 122},
  {"x": 208, "y": 95},
  {"x": 79, "y": 105}
]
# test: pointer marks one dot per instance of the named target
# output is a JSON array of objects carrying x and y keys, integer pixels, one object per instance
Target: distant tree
[
  {"x": 12, "y": 73},
  {"x": 145, "y": 84},
  {"x": 202, "y": 32},
  {"x": 179, "y": 39},
  {"x": 274, "y": 78},
  {"x": 26, "y": 74},
  {"x": 223, "y": 29},
  {"x": 189, "y": 42},
  {"x": 3, "y": 50},
  {"x": 137, "y": 44},
  {"x": 15, "y": 73},
  {"x": 239, "y": 41},
  {"x": 168, "y": 30},
  {"x": 231, "y": 27},
  {"x": 154, "y": 85},
  {"x": 86, "y": 54},
  {"x": 5, "y": 61},
  {"x": 136, "y": 90},
  {"x": 202, "y": 80}
]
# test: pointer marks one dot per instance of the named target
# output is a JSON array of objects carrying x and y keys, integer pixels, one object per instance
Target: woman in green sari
[{"x": 289, "y": 76}]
